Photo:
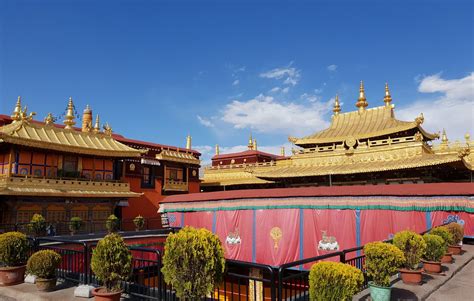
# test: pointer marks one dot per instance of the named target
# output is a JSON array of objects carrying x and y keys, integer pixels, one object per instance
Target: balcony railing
[{"x": 175, "y": 185}]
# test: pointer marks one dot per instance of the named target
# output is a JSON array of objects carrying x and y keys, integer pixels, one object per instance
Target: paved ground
[{"x": 460, "y": 287}]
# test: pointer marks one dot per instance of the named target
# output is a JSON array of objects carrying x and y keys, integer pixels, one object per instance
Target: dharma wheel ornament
[{"x": 276, "y": 234}]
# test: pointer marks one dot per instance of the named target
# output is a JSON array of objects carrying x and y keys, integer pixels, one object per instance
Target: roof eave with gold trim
[{"x": 180, "y": 157}]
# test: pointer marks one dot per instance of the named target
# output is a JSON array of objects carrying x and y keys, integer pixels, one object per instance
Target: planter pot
[
  {"x": 46, "y": 285},
  {"x": 12, "y": 275},
  {"x": 101, "y": 295},
  {"x": 432, "y": 266},
  {"x": 411, "y": 276},
  {"x": 379, "y": 293},
  {"x": 456, "y": 250},
  {"x": 447, "y": 258}
]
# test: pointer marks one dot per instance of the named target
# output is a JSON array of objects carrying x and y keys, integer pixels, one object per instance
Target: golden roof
[
  {"x": 175, "y": 156},
  {"x": 373, "y": 122},
  {"x": 23, "y": 132}
]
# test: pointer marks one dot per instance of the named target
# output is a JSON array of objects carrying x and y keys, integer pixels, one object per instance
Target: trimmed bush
[
  {"x": 193, "y": 262},
  {"x": 111, "y": 262},
  {"x": 413, "y": 247},
  {"x": 457, "y": 231},
  {"x": 444, "y": 234},
  {"x": 75, "y": 224},
  {"x": 14, "y": 249},
  {"x": 382, "y": 260},
  {"x": 139, "y": 222},
  {"x": 435, "y": 247},
  {"x": 334, "y": 281},
  {"x": 112, "y": 224},
  {"x": 43, "y": 264},
  {"x": 38, "y": 224}
]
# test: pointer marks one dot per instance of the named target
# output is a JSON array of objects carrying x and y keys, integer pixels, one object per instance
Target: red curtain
[
  {"x": 234, "y": 229},
  {"x": 200, "y": 219},
  {"x": 463, "y": 218}
]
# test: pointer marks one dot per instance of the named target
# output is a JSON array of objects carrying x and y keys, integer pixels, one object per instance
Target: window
[
  {"x": 70, "y": 164},
  {"x": 174, "y": 174},
  {"x": 147, "y": 176}
]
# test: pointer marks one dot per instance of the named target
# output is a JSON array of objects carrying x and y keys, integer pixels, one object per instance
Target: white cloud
[
  {"x": 290, "y": 75},
  {"x": 267, "y": 115},
  {"x": 236, "y": 82},
  {"x": 275, "y": 90},
  {"x": 205, "y": 122},
  {"x": 453, "y": 109},
  {"x": 285, "y": 90},
  {"x": 332, "y": 68},
  {"x": 310, "y": 97}
]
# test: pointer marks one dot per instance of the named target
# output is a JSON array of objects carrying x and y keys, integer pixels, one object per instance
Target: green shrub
[
  {"x": 457, "y": 231},
  {"x": 38, "y": 224},
  {"x": 444, "y": 233},
  {"x": 193, "y": 262},
  {"x": 334, "y": 281},
  {"x": 75, "y": 224},
  {"x": 382, "y": 260},
  {"x": 435, "y": 247},
  {"x": 413, "y": 247},
  {"x": 112, "y": 224},
  {"x": 43, "y": 264},
  {"x": 139, "y": 222},
  {"x": 14, "y": 249},
  {"x": 111, "y": 261}
]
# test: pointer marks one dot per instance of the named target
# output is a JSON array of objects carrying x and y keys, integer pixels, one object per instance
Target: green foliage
[
  {"x": 139, "y": 222},
  {"x": 435, "y": 247},
  {"x": 444, "y": 233},
  {"x": 193, "y": 262},
  {"x": 43, "y": 264},
  {"x": 413, "y": 247},
  {"x": 457, "y": 231},
  {"x": 112, "y": 224},
  {"x": 37, "y": 224},
  {"x": 14, "y": 249},
  {"x": 75, "y": 224},
  {"x": 334, "y": 281},
  {"x": 111, "y": 261},
  {"x": 381, "y": 261}
]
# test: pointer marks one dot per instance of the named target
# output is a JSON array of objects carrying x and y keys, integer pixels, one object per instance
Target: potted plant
[
  {"x": 139, "y": 222},
  {"x": 435, "y": 249},
  {"x": 458, "y": 233},
  {"x": 382, "y": 260},
  {"x": 193, "y": 262},
  {"x": 37, "y": 225},
  {"x": 413, "y": 247},
  {"x": 75, "y": 224},
  {"x": 112, "y": 224},
  {"x": 334, "y": 281},
  {"x": 43, "y": 265},
  {"x": 448, "y": 240},
  {"x": 111, "y": 263},
  {"x": 14, "y": 249}
]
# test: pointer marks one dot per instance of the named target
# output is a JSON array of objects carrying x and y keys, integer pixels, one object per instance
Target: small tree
[
  {"x": 37, "y": 225},
  {"x": 193, "y": 262},
  {"x": 382, "y": 260},
  {"x": 334, "y": 281},
  {"x": 111, "y": 262},
  {"x": 75, "y": 224},
  {"x": 13, "y": 249},
  {"x": 43, "y": 264},
  {"x": 444, "y": 234},
  {"x": 139, "y": 222},
  {"x": 435, "y": 247},
  {"x": 457, "y": 231},
  {"x": 413, "y": 247},
  {"x": 112, "y": 224}
]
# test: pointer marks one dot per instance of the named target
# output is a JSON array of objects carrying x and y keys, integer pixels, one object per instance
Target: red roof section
[
  {"x": 437, "y": 189},
  {"x": 246, "y": 153}
]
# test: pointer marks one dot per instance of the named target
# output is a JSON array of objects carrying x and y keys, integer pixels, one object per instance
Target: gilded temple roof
[
  {"x": 176, "y": 156},
  {"x": 44, "y": 136},
  {"x": 363, "y": 124}
]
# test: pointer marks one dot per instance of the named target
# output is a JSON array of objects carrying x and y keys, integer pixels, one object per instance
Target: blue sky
[{"x": 158, "y": 70}]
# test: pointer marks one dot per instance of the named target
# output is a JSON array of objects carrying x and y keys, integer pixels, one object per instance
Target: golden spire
[
  {"x": 217, "y": 149},
  {"x": 388, "y": 98},
  {"x": 282, "y": 151},
  {"x": 188, "y": 142},
  {"x": 69, "y": 121},
  {"x": 254, "y": 144},
  {"x": 49, "y": 120},
  {"x": 468, "y": 138},
  {"x": 361, "y": 102},
  {"x": 337, "y": 106},
  {"x": 97, "y": 124},
  {"x": 444, "y": 137},
  {"x": 16, "y": 116},
  {"x": 250, "y": 144}
]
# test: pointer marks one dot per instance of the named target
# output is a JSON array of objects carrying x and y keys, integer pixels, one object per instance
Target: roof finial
[
  {"x": 254, "y": 144},
  {"x": 250, "y": 144},
  {"x": 107, "y": 129},
  {"x": 49, "y": 120},
  {"x": 444, "y": 137},
  {"x": 69, "y": 121},
  {"x": 188, "y": 141},
  {"x": 282, "y": 151},
  {"x": 97, "y": 124},
  {"x": 16, "y": 116},
  {"x": 467, "y": 136},
  {"x": 337, "y": 106},
  {"x": 217, "y": 149},
  {"x": 388, "y": 98},
  {"x": 361, "y": 102}
]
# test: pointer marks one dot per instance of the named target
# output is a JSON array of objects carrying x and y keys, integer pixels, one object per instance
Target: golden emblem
[
  {"x": 276, "y": 234},
  {"x": 132, "y": 167}
]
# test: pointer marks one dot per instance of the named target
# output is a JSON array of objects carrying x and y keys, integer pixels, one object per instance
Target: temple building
[
  {"x": 61, "y": 171},
  {"x": 362, "y": 147}
]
